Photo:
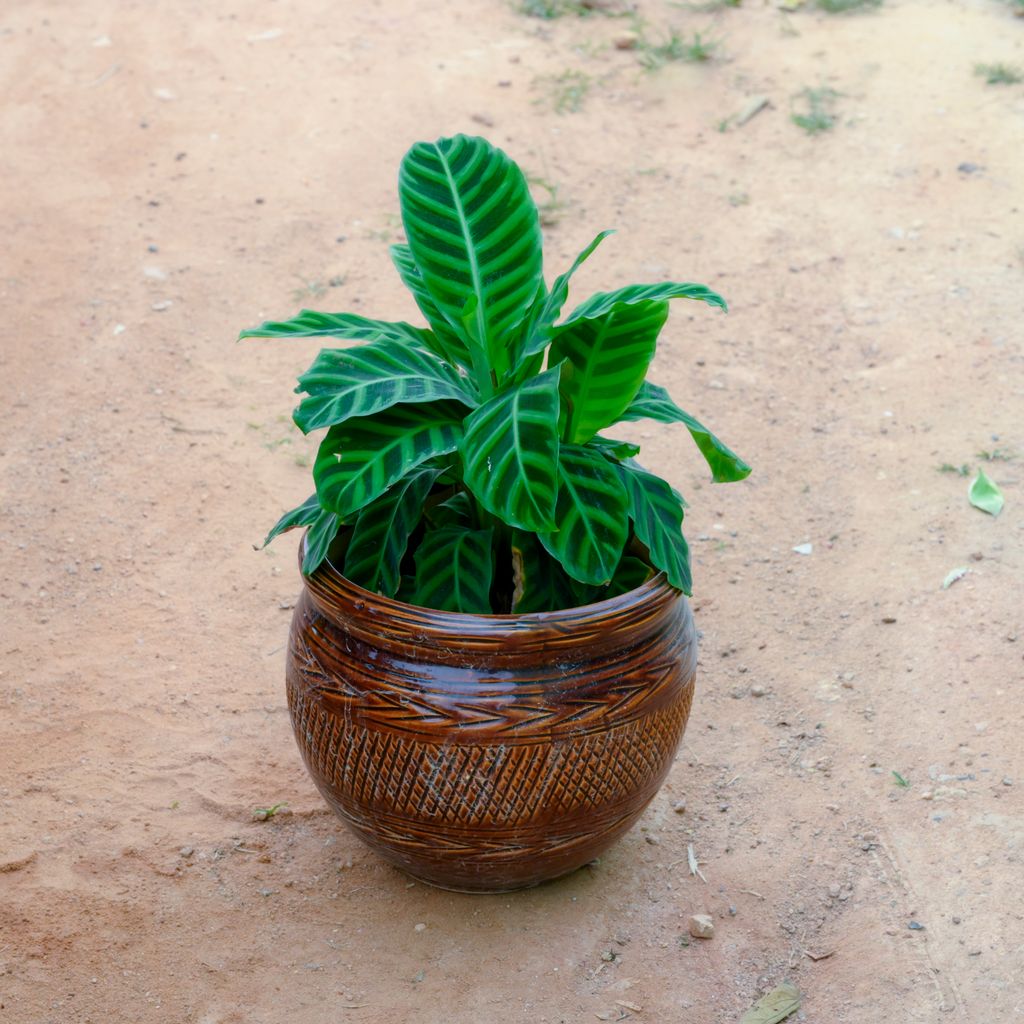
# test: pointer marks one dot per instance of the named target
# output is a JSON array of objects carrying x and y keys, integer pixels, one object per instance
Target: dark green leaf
[
  {"x": 607, "y": 358},
  {"x": 362, "y": 457},
  {"x": 613, "y": 449},
  {"x": 445, "y": 339},
  {"x": 473, "y": 230},
  {"x": 453, "y": 570},
  {"x": 653, "y": 402},
  {"x": 591, "y": 514},
  {"x": 658, "y": 522},
  {"x": 604, "y": 302},
  {"x": 311, "y": 324},
  {"x": 631, "y": 573},
  {"x": 510, "y": 453},
  {"x": 458, "y": 510},
  {"x": 548, "y": 311},
  {"x": 381, "y": 532},
  {"x": 347, "y": 382},
  {"x": 541, "y": 584},
  {"x": 319, "y": 538},
  {"x": 305, "y": 515}
]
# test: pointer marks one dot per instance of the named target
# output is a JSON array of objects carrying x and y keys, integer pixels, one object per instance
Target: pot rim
[{"x": 656, "y": 586}]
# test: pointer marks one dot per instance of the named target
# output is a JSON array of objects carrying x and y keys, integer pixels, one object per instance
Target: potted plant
[{"x": 492, "y": 661}]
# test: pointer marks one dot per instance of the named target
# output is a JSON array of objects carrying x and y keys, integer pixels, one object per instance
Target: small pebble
[
  {"x": 916, "y": 926},
  {"x": 956, "y": 920},
  {"x": 701, "y": 926},
  {"x": 1007, "y": 781},
  {"x": 159, "y": 307},
  {"x": 186, "y": 851},
  {"x": 679, "y": 807},
  {"x": 757, "y": 690},
  {"x": 626, "y": 40},
  {"x": 421, "y": 927}
]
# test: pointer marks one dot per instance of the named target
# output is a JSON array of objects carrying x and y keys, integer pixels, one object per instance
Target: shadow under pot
[{"x": 485, "y": 753}]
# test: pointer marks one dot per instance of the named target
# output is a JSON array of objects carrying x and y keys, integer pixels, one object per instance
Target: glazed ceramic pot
[{"x": 484, "y": 753}]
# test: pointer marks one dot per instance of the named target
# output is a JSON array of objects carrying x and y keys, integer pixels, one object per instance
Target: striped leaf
[
  {"x": 305, "y": 515},
  {"x": 361, "y": 458},
  {"x": 458, "y": 510},
  {"x": 547, "y": 312},
  {"x": 453, "y": 570},
  {"x": 510, "y": 453},
  {"x": 474, "y": 232},
  {"x": 614, "y": 449},
  {"x": 652, "y": 402},
  {"x": 604, "y": 302},
  {"x": 319, "y": 538},
  {"x": 658, "y": 522},
  {"x": 349, "y": 326},
  {"x": 631, "y": 573},
  {"x": 591, "y": 515},
  {"x": 540, "y": 582},
  {"x": 381, "y": 532},
  {"x": 607, "y": 359},
  {"x": 445, "y": 338},
  {"x": 360, "y": 381}
]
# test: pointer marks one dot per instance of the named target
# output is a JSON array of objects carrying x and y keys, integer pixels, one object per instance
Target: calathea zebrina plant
[{"x": 464, "y": 466}]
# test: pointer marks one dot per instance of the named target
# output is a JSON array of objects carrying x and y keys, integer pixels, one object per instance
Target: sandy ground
[{"x": 173, "y": 172}]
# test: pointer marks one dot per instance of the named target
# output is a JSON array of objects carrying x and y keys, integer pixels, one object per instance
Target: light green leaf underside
[
  {"x": 510, "y": 453},
  {"x": 985, "y": 494},
  {"x": 607, "y": 358},
  {"x": 613, "y": 449},
  {"x": 658, "y": 523},
  {"x": 381, "y": 532},
  {"x": 445, "y": 340},
  {"x": 361, "y": 458},
  {"x": 603, "y": 302},
  {"x": 348, "y": 326},
  {"x": 591, "y": 515},
  {"x": 473, "y": 230},
  {"x": 653, "y": 402},
  {"x": 360, "y": 381},
  {"x": 304, "y": 515},
  {"x": 319, "y": 538},
  {"x": 453, "y": 570}
]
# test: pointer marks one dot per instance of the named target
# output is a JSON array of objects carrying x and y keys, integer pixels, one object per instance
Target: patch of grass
[
  {"x": 996, "y": 455},
  {"x": 819, "y": 116},
  {"x": 998, "y": 74},
  {"x": 266, "y": 813},
  {"x": 845, "y": 6},
  {"x": 674, "y": 48},
  {"x": 552, "y": 208},
  {"x": 902, "y": 781},
  {"x": 961, "y": 470},
  {"x": 309, "y": 290},
  {"x": 709, "y": 6},
  {"x": 568, "y": 91},
  {"x": 549, "y": 10}
]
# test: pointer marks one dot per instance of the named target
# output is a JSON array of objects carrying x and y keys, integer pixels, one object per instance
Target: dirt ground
[{"x": 173, "y": 172}]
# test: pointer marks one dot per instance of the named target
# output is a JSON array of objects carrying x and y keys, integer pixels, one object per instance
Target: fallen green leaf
[
  {"x": 901, "y": 780},
  {"x": 984, "y": 494},
  {"x": 776, "y": 1006},
  {"x": 953, "y": 575}
]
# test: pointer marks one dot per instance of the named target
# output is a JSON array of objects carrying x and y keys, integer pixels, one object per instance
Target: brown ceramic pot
[{"x": 485, "y": 753}]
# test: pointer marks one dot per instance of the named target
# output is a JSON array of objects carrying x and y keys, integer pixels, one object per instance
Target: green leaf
[
  {"x": 604, "y": 302},
  {"x": 510, "y": 453},
  {"x": 774, "y": 1007},
  {"x": 305, "y": 515},
  {"x": 984, "y": 494},
  {"x": 653, "y": 402},
  {"x": 473, "y": 230},
  {"x": 361, "y": 458},
  {"x": 318, "y": 541},
  {"x": 360, "y": 381},
  {"x": 311, "y": 324},
  {"x": 445, "y": 339},
  {"x": 658, "y": 522},
  {"x": 631, "y": 573},
  {"x": 458, "y": 510},
  {"x": 540, "y": 582},
  {"x": 381, "y": 532},
  {"x": 453, "y": 570},
  {"x": 613, "y": 449},
  {"x": 591, "y": 514},
  {"x": 547, "y": 312},
  {"x": 607, "y": 359}
]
